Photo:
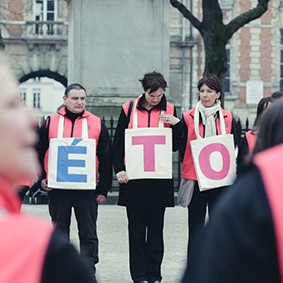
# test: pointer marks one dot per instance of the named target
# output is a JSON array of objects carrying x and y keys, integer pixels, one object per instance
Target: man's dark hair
[
  {"x": 153, "y": 81},
  {"x": 73, "y": 86}
]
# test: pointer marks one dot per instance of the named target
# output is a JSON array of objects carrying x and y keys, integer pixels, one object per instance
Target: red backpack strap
[
  {"x": 127, "y": 107},
  {"x": 130, "y": 109},
  {"x": 271, "y": 176}
]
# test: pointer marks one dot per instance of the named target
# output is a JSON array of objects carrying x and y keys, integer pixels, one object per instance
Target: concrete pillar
[{"x": 112, "y": 43}]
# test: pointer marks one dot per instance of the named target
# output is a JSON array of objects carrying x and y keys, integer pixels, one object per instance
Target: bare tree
[{"x": 215, "y": 33}]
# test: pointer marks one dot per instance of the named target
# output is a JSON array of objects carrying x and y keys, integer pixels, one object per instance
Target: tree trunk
[
  {"x": 215, "y": 54},
  {"x": 215, "y": 34}
]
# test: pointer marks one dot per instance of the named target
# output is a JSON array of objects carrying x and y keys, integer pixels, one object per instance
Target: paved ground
[{"x": 113, "y": 248}]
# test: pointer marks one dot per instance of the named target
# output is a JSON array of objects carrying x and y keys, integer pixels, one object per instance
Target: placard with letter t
[{"x": 148, "y": 153}]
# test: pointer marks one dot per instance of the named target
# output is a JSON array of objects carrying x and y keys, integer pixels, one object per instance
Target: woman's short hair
[
  {"x": 153, "y": 81},
  {"x": 212, "y": 81}
]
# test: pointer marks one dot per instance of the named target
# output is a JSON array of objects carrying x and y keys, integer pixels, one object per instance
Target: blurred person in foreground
[
  {"x": 26, "y": 258},
  {"x": 243, "y": 242}
]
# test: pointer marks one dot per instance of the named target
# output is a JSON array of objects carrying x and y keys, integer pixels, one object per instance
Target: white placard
[
  {"x": 72, "y": 164},
  {"x": 214, "y": 161},
  {"x": 254, "y": 92},
  {"x": 148, "y": 153}
]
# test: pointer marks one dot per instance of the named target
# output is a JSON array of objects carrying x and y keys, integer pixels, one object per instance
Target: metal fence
[{"x": 38, "y": 195}]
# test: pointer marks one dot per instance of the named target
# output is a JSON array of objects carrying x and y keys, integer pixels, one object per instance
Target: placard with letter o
[
  {"x": 148, "y": 153},
  {"x": 215, "y": 161}
]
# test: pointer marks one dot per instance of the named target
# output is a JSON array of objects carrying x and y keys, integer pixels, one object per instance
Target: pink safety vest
[
  {"x": 143, "y": 117},
  {"x": 22, "y": 253},
  {"x": 26, "y": 182},
  {"x": 19, "y": 261},
  {"x": 251, "y": 139},
  {"x": 188, "y": 169},
  {"x": 94, "y": 129},
  {"x": 271, "y": 176}
]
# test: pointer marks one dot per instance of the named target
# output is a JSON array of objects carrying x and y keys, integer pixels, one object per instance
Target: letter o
[{"x": 204, "y": 161}]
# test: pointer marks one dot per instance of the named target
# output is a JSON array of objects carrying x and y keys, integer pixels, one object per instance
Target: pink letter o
[{"x": 205, "y": 165}]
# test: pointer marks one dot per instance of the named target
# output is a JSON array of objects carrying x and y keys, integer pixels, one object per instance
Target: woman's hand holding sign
[
  {"x": 122, "y": 177},
  {"x": 169, "y": 119}
]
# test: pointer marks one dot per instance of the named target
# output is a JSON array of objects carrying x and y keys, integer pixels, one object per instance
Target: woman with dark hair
[
  {"x": 248, "y": 140},
  {"x": 243, "y": 241},
  {"x": 277, "y": 95},
  {"x": 271, "y": 128},
  {"x": 146, "y": 198},
  {"x": 208, "y": 112}
]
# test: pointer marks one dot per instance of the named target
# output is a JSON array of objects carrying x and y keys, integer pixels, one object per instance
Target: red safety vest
[
  {"x": 26, "y": 182},
  {"x": 188, "y": 169},
  {"x": 271, "y": 176},
  {"x": 20, "y": 262},
  {"x": 144, "y": 118},
  {"x": 94, "y": 129},
  {"x": 251, "y": 139},
  {"x": 23, "y": 245}
]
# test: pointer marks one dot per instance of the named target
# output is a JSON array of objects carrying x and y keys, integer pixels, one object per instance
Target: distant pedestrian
[{"x": 248, "y": 140}]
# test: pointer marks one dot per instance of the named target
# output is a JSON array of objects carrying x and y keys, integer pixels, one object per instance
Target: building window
[
  {"x": 281, "y": 60},
  {"x": 226, "y": 4},
  {"x": 36, "y": 98},
  {"x": 227, "y": 80},
  {"x": 44, "y": 13},
  {"x": 23, "y": 95}
]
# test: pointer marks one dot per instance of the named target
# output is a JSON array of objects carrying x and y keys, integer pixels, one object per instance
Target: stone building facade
[
  {"x": 255, "y": 59},
  {"x": 254, "y": 52},
  {"x": 38, "y": 40}
]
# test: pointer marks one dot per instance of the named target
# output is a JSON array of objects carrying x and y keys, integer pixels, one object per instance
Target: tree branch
[
  {"x": 247, "y": 17},
  {"x": 187, "y": 14}
]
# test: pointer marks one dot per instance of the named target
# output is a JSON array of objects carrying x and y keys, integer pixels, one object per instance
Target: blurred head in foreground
[{"x": 17, "y": 127}]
